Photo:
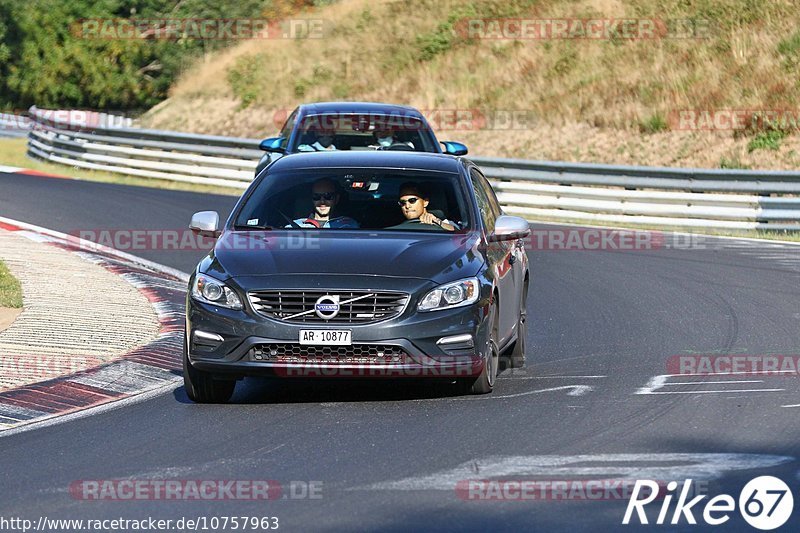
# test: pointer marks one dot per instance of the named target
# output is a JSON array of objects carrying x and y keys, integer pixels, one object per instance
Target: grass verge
[
  {"x": 10, "y": 290},
  {"x": 13, "y": 153}
]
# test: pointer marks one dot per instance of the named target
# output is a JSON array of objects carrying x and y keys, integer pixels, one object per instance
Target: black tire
[
  {"x": 517, "y": 356},
  {"x": 201, "y": 387},
  {"x": 484, "y": 384}
]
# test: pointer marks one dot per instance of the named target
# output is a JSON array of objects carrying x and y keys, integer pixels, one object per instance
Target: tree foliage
[{"x": 46, "y": 61}]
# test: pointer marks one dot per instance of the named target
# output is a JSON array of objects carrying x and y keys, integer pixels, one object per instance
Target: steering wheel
[
  {"x": 290, "y": 221},
  {"x": 400, "y": 147}
]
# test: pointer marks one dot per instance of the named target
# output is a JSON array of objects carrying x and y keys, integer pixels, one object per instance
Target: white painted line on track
[
  {"x": 557, "y": 377},
  {"x": 698, "y": 466},
  {"x": 714, "y": 391},
  {"x": 574, "y": 390},
  {"x": 659, "y": 382},
  {"x": 713, "y": 382},
  {"x": 744, "y": 373}
]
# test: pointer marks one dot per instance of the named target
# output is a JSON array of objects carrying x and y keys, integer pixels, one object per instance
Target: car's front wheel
[
  {"x": 201, "y": 387},
  {"x": 484, "y": 384},
  {"x": 517, "y": 356}
]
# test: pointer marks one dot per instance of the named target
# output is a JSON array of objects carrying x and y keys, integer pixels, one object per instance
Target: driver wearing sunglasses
[
  {"x": 325, "y": 196},
  {"x": 414, "y": 202}
]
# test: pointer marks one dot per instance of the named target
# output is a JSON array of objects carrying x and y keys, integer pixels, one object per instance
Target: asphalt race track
[{"x": 603, "y": 326}]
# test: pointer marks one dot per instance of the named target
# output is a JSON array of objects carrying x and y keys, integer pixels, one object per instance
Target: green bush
[
  {"x": 654, "y": 124},
  {"x": 790, "y": 50},
  {"x": 766, "y": 140},
  {"x": 243, "y": 78}
]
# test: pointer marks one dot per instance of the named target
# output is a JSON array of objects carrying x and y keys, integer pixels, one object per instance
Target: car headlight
[
  {"x": 209, "y": 290},
  {"x": 455, "y": 294}
]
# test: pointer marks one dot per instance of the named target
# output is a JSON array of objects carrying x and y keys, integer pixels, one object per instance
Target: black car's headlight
[
  {"x": 209, "y": 290},
  {"x": 449, "y": 295}
]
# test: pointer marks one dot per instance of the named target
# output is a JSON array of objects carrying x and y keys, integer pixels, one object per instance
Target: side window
[
  {"x": 286, "y": 131},
  {"x": 494, "y": 204},
  {"x": 488, "y": 216}
]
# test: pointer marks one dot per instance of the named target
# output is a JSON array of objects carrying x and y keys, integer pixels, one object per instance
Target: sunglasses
[
  {"x": 317, "y": 196},
  {"x": 410, "y": 201}
]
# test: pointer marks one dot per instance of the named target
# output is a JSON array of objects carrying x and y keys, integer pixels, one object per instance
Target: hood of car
[{"x": 432, "y": 256}]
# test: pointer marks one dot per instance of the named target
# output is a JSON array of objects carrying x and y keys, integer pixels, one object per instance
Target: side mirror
[
  {"x": 454, "y": 148},
  {"x": 509, "y": 228},
  {"x": 205, "y": 223},
  {"x": 273, "y": 144},
  {"x": 265, "y": 160}
]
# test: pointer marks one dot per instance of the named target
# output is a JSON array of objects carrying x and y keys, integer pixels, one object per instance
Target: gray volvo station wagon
[{"x": 359, "y": 265}]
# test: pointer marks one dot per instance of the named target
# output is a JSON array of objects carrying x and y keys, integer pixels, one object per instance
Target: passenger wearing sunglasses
[
  {"x": 325, "y": 196},
  {"x": 413, "y": 203}
]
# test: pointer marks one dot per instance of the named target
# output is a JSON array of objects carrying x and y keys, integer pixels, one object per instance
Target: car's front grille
[
  {"x": 359, "y": 307},
  {"x": 357, "y": 353}
]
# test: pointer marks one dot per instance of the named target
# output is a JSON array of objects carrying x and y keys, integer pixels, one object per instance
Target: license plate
[{"x": 326, "y": 337}]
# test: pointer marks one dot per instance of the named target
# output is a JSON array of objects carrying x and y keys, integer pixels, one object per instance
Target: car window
[
  {"x": 489, "y": 212},
  {"x": 494, "y": 204},
  {"x": 354, "y": 131},
  {"x": 357, "y": 199},
  {"x": 286, "y": 131}
]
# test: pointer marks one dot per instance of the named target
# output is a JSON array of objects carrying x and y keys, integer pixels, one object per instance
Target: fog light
[{"x": 204, "y": 338}]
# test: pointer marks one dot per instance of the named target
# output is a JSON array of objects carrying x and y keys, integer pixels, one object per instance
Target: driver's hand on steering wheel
[{"x": 429, "y": 218}]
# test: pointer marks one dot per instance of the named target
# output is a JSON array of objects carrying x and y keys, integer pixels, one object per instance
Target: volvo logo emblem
[{"x": 327, "y": 306}]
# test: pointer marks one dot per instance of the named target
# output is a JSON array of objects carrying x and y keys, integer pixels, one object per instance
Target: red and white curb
[
  {"x": 30, "y": 172},
  {"x": 153, "y": 367}
]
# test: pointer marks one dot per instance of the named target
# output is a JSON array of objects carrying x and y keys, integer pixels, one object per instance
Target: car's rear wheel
[{"x": 201, "y": 387}]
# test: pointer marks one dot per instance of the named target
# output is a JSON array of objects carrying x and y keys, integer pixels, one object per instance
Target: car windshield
[
  {"x": 353, "y": 131},
  {"x": 357, "y": 199}
]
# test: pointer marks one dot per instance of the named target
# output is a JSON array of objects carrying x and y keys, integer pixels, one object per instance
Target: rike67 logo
[{"x": 765, "y": 503}]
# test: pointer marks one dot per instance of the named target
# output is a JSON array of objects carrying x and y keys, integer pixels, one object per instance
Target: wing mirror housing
[
  {"x": 205, "y": 223},
  {"x": 454, "y": 148},
  {"x": 273, "y": 144},
  {"x": 509, "y": 228}
]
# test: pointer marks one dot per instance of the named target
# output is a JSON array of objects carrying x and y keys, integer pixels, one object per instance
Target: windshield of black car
[
  {"x": 351, "y": 131},
  {"x": 357, "y": 199}
]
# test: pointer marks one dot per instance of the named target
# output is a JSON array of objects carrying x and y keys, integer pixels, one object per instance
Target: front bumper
[{"x": 415, "y": 335}]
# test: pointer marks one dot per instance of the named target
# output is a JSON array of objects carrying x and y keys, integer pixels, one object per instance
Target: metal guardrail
[
  {"x": 654, "y": 196},
  {"x": 14, "y": 125}
]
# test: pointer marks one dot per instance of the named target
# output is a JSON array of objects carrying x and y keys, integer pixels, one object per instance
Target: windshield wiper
[{"x": 243, "y": 227}]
